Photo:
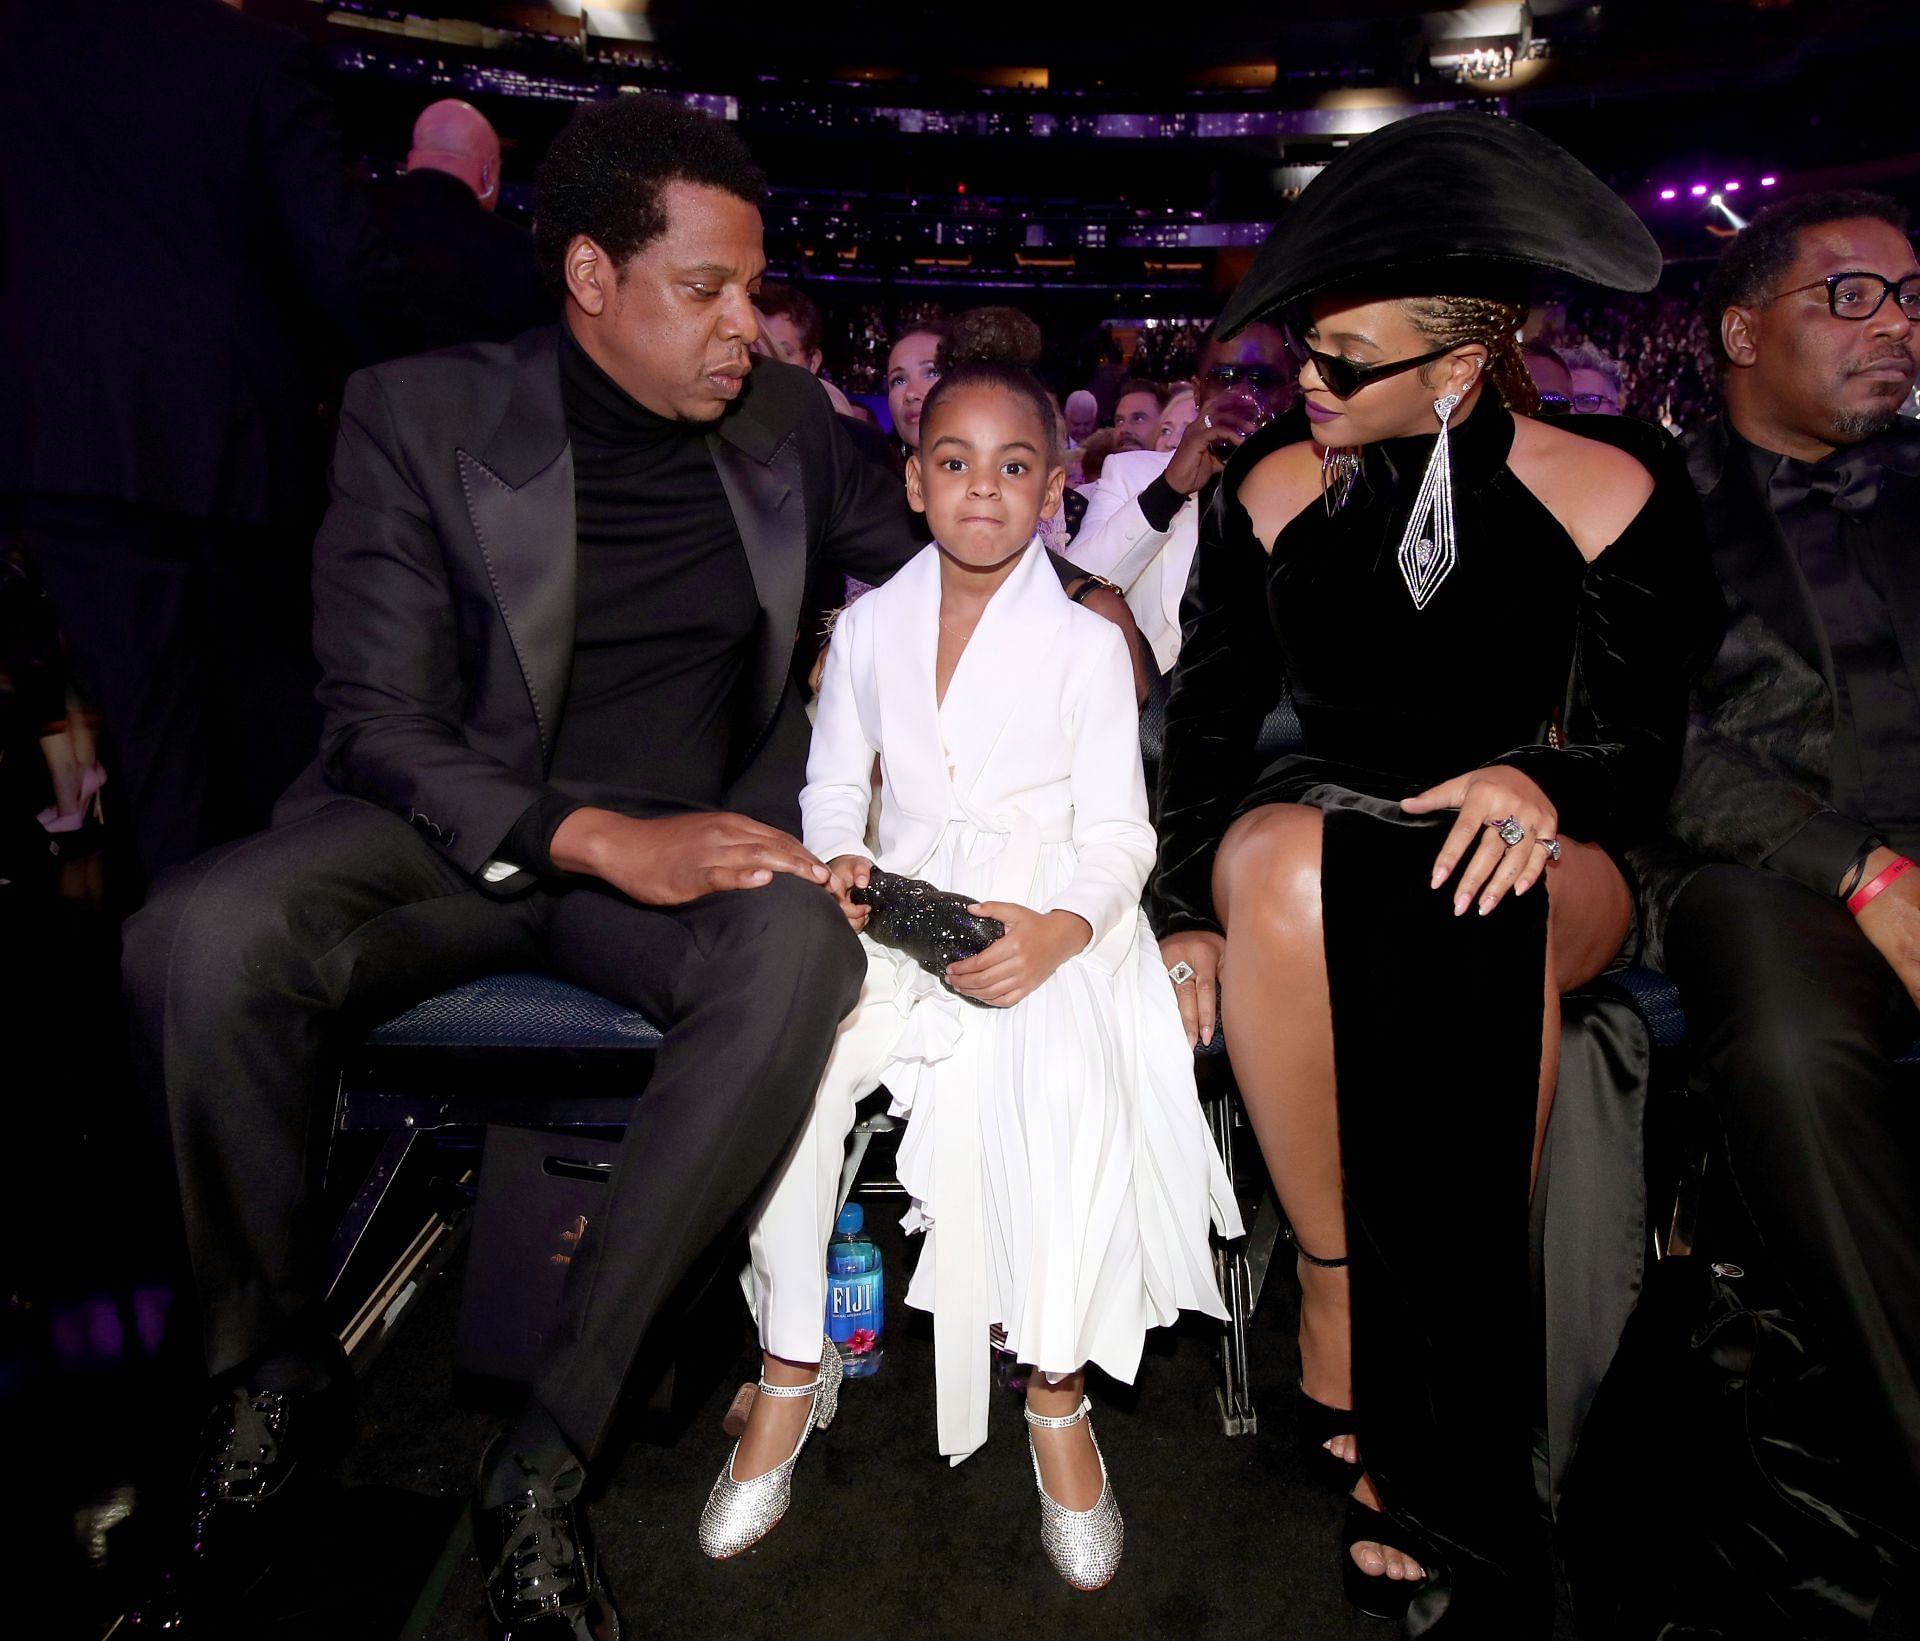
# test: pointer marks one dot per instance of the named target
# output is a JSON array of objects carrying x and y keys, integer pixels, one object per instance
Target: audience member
[
  {"x": 158, "y": 457},
  {"x": 1787, "y": 921},
  {"x": 1083, "y": 416},
  {"x": 1143, "y": 516},
  {"x": 1321, "y": 891},
  {"x": 1136, "y": 414},
  {"x": 1595, "y": 380},
  {"x": 1094, "y": 453},
  {"x": 471, "y": 276},
  {"x": 791, "y": 323},
  {"x": 557, "y": 594},
  {"x": 912, "y": 369},
  {"x": 1551, "y": 379},
  {"x": 1175, "y": 418}
]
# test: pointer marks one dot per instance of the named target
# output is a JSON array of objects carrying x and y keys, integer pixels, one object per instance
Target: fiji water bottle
[{"x": 856, "y": 1307}]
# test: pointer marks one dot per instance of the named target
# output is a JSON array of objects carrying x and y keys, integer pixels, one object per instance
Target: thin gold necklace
[{"x": 955, "y": 631}]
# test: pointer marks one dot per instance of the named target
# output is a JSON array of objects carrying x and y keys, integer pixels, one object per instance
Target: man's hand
[
  {"x": 1229, "y": 418},
  {"x": 1891, "y": 920},
  {"x": 1204, "y": 952},
  {"x": 850, "y": 872},
  {"x": 670, "y": 861},
  {"x": 1019, "y": 962}
]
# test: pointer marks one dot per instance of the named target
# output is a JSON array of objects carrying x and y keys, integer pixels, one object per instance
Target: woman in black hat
[{"x": 1489, "y": 624}]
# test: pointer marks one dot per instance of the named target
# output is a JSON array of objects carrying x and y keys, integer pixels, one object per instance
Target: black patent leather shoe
[
  {"x": 543, "y": 1579},
  {"x": 266, "y": 1459}
]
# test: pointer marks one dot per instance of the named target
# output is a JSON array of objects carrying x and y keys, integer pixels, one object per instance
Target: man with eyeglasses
[
  {"x": 1143, "y": 516},
  {"x": 1791, "y": 921}
]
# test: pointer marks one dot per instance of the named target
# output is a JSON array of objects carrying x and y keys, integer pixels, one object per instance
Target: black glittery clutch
[{"x": 932, "y": 926}]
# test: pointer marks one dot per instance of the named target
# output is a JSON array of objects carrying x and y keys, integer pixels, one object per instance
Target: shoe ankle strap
[
  {"x": 1044, "y": 1423},
  {"x": 1339, "y": 1264},
  {"x": 807, "y": 1389}
]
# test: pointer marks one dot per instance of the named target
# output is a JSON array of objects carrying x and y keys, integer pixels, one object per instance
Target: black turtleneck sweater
[{"x": 666, "y": 612}]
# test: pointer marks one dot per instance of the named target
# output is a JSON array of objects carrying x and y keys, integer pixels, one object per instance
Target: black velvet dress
[{"x": 1527, "y": 655}]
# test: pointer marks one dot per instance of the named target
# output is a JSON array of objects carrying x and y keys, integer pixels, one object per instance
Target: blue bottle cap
[{"x": 852, "y": 1218}]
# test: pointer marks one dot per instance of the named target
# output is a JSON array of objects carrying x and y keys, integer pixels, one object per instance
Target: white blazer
[
  {"x": 1150, "y": 566},
  {"x": 1038, "y": 738}
]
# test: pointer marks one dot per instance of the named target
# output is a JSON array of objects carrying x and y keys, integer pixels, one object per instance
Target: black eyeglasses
[
  {"x": 1856, "y": 294},
  {"x": 1258, "y": 377},
  {"x": 1343, "y": 378}
]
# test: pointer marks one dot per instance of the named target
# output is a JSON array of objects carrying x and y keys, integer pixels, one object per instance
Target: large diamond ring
[
  {"x": 1180, "y": 973},
  {"x": 1552, "y": 847},
  {"x": 1510, "y": 830}
]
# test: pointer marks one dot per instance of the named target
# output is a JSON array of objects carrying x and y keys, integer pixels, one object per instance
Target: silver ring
[
  {"x": 1180, "y": 973},
  {"x": 1206, "y": 421},
  {"x": 1509, "y": 830},
  {"x": 1552, "y": 847}
]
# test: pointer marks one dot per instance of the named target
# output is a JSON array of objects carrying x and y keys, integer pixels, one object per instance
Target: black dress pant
[
  {"x": 251, "y": 966},
  {"x": 1794, "y": 1020},
  {"x": 193, "y": 638}
]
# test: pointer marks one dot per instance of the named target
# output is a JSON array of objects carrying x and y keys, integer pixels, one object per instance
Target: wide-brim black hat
[{"x": 1469, "y": 203}]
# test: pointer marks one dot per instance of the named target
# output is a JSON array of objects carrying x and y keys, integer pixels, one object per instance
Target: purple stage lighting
[
  {"x": 1768, "y": 182},
  {"x": 1669, "y": 193},
  {"x": 1698, "y": 190},
  {"x": 1731, "y": 188}
]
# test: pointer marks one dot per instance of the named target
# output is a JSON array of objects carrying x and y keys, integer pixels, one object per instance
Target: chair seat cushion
[{"x": 517, "y": 1011}]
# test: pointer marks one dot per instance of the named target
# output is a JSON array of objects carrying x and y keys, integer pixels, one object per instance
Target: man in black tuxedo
[
  {"x": 471, "y": 275},
  {"x": 179, "y": 237},
  {"x": 1792, "y": 926},
  {"x": 557, "y": 597}
]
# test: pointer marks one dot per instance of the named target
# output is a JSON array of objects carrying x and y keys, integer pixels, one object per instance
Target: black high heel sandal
[
  {"x": 1320, "y": 1423},
  {"x": 1374, "y": 1595}
]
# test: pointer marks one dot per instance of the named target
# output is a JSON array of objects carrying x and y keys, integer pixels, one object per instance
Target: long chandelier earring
[
  {"x": 1338, "y": 468},
  {"x": 1427, "y": 549}
]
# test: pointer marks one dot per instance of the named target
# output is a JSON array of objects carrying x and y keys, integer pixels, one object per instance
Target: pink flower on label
[{"x": 860, "y": 1341}]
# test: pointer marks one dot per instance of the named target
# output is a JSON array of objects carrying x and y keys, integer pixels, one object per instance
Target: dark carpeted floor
[{"x": 1225, "y": 1537}]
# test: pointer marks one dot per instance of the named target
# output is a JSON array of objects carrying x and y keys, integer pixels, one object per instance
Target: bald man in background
[{"x": 471, "y": 275}]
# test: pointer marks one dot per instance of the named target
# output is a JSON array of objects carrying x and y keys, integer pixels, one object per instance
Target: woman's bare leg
[
  {"x": 1279, "y": 1026},
  {"x": 1278, "y": 1015}
]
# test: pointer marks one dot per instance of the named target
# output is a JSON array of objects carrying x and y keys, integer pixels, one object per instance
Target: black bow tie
[{"x": 1850, "y": 482}]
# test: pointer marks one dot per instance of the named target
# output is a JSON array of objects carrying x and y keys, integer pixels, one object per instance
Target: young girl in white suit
[{"x": 1056, "y": 1156}]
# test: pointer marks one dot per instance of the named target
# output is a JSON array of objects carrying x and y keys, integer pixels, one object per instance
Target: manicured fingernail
[
  {"x": 1486, "y": 905},
  {"x": 1439, "y": 877},
  {"x": 1459, "y": 904}
]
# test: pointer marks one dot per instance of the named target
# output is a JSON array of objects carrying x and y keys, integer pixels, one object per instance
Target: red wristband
[{"x": 1857, "y": 901}]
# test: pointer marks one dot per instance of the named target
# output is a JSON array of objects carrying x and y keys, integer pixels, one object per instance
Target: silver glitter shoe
[
  {"x": 1083, "y": 1545},
  {"x": 739, "y": 1514}
]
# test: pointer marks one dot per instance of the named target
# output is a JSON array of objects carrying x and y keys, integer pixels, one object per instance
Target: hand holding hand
[
  {"x": 1228, "y": 420},
  {"x": 678, "y": 858},
  {"x": 1205, "y": 953},
  {"x": 1017, "y": 964},
  {"x": 850, "y": 872},
  {"x": 1485, "y": 798},
  {"x": 1891, "y": 920}
]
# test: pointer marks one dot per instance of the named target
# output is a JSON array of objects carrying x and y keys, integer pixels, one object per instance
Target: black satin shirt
[
  {"x": 1528, "y": 655},
  {"x": 1839, "y": 553}
]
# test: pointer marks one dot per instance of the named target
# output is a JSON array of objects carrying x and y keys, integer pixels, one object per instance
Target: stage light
[
  {"x": 1727, "y": 211},
  {"x": 1669, "y": 193},
  {"x": 1733, "y": 188},
  {"x": 1768, "y": 182},
  {"x": 1698, "y": 190}
]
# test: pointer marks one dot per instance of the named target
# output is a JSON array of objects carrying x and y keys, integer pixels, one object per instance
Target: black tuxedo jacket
[
  {"x": 177, "y": 232},
  {"x": 444, "y": 584},
  {"x": 1755, "y": 778}
]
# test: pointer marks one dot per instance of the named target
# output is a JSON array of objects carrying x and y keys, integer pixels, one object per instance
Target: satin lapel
[
  {"x": 769, "y": 508},
  {"x": 1898, "y": 550},
  {"x": 994, "y": 675},
  {"x": 1752, "y": 556},
  {"x": 905, "y": 642},
  {"x": 520, "y": 502}
]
